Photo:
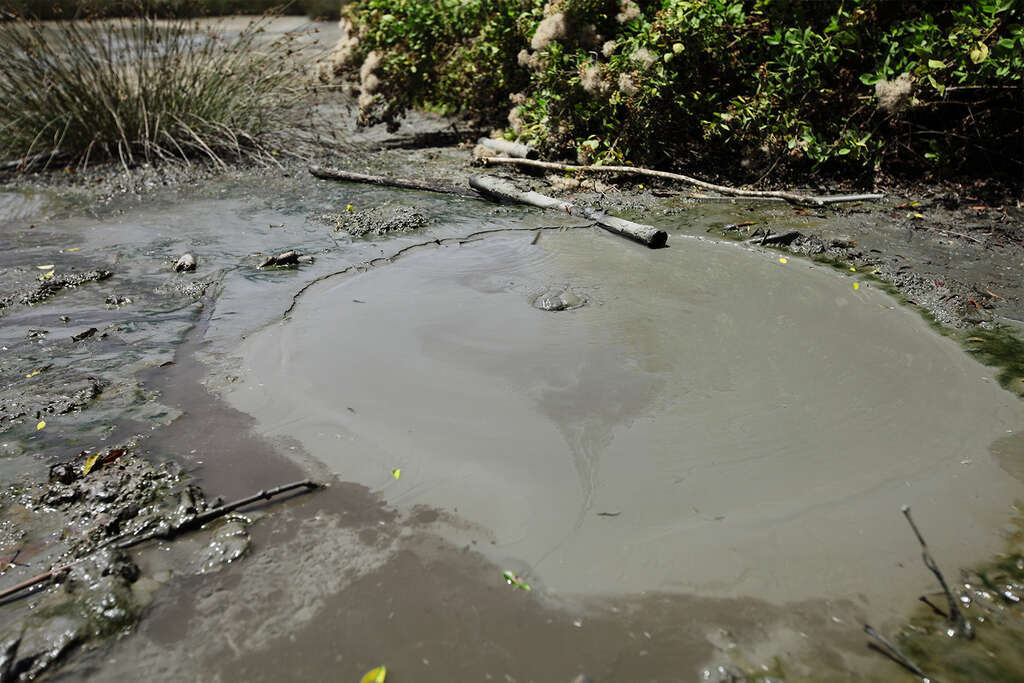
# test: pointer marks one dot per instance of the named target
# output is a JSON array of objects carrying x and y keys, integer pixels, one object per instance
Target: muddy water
[{"x": 712, "y": 421}]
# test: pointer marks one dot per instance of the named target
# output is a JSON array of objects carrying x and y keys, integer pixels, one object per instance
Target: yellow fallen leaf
[
  {"x": 42, "y": 423},
  {"x": 33, "y": 373},
  {"x": 852, "y": 269},
  {"x": 856, "y": 285},
  {"x": 396, "y": 473},
  {"x": 783, "y": 259},
  {"x": 90, "y": 463},
  {"x": 73, "y": 249},
  {"x": 47, "y": 276},
  {"x": 46, "y": 267},
  {"x": 349, "y": 207},
  {"x": 978, "y": 53},
  {"x": 375, "y": 675}
]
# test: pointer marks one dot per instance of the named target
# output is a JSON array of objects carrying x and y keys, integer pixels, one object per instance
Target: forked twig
[{"x": 958, "y": 624}]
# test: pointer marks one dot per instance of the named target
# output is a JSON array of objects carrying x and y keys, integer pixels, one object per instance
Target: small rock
[
  {"x": 84, "y": 334},
  {"x": 558, "y": 299},
  {"x": 229, "y": 542},
  {"x": 285, "y": 258},
  {"x": 186, "y": 263},
  {"x": 115, "y": 301},
  {"x": 63, "y": 473}
]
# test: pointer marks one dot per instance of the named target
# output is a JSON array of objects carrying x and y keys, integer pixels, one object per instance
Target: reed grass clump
[{"x": 142, "y": 89}]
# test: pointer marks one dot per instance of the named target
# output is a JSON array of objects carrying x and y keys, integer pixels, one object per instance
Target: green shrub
[
  {"x": 776, "y": 83},
  {"x": 141, "y": 89}
]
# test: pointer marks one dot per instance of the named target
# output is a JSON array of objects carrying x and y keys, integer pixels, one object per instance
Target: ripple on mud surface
[{"x": 712, "y": 421}]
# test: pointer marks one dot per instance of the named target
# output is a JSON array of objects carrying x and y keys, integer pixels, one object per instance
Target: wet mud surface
[
  {"x": 654, "y": 439},
  {"x": 597, "y": 451}
]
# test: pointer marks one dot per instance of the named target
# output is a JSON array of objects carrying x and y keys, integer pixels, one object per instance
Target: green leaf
[
  {"x": 936, "y": 64},
  {"x": 935, "y": 84}
]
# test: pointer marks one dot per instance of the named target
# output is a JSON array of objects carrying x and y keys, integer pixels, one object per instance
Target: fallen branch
[
  {"x": 501, "y": 190},
  {"x": 957, "y": 623},
  {"x": 193, "y": 522},
  {"x": 325, "y": 173},
  {"x": 512, "y": 149},
  {"x": 792, "y": 197}
]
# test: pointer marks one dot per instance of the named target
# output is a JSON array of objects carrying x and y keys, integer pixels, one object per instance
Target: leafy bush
[
  {"x": 849, "y": 87},
  {"x": 138, "y": 89}
]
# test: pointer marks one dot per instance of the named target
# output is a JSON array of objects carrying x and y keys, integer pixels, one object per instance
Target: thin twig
[
  {"x": 957, "y": 234},
  {"x": 200, "y": 519},
  {"x": 894, "y": 653},
  {"x": 957, "y": 622},
  {"x": 791, "y": 197}
]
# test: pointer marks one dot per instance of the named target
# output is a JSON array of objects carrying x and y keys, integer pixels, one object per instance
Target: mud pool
[{"x": 713, "y": 420}]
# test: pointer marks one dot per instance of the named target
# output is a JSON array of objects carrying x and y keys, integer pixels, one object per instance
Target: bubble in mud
[{"x": 558, "y": 299}]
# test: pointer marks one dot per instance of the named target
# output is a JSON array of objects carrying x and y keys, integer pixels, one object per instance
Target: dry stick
[
  {"x": 325, "y": 173},
  {"x": 495, "y": 188},
  {"x": 893, "y": 652},
  {"x": 956, "y": 617},
  {"x": 791, "y": 197},
  {"x": 190, "y": 523}
]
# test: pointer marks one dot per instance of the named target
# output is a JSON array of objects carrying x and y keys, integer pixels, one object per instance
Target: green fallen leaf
[{"x": 513, "y": 579}]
